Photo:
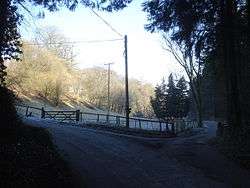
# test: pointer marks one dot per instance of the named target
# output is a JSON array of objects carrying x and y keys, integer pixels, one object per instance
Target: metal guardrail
[{"x": 109, "y": 120}]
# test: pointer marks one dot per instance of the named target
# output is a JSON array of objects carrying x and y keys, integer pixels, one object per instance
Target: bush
[
  {"x": 235, "y": 143},
  {"x": 8, "y": 116}
]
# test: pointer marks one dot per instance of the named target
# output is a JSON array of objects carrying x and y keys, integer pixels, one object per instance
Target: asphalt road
[{"x": 109, "y": 160}]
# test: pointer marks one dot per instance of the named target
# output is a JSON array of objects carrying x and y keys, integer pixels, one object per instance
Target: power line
[
  {"x": 103, "y": 20},
  {"x": 32, "y": 18},
  {"x": 92, "y": 10},
  {"x": 75, "y": 42},
  {"x": 106, "y": 23}
]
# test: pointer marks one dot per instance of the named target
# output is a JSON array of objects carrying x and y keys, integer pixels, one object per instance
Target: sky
[{"x": 147, "y": 60}]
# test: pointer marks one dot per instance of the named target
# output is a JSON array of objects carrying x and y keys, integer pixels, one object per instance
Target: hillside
[
  {"x": 43, "y": 78},
  {"x": 66, "y": 103}
]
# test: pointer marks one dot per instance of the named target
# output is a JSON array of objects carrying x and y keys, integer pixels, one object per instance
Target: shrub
[{"x": 8, "y": 115}]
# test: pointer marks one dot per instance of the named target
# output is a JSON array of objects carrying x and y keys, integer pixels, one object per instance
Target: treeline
[
  {"x": 44, "y": 72},
  {"x": 171, "y": 99}
]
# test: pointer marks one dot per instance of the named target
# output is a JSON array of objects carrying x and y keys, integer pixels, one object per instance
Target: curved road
[{"x": 109, "y": 160}]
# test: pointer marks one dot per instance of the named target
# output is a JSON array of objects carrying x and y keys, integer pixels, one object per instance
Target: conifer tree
[
  {"x": 159, "y": 101},
  {"x": 183, "y": 98},
  {"x": 171, "y": 98}
]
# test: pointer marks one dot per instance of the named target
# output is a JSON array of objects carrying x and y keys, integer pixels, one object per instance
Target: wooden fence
[
  {"x": 107, "y": 120},
  {"x": 134, "y": 122}
]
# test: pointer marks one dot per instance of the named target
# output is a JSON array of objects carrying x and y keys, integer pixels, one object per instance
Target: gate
[{"x": 61, "y": 115}]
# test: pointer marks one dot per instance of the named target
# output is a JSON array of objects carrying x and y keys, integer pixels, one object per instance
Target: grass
[
  {"x": 29, "y": 159},
  {"x": 66, "y": 103}
]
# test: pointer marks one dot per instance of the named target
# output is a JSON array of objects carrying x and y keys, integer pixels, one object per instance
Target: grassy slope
[
  {"x": 67, "y": 103},
  {"x": 29, "y": 159}
]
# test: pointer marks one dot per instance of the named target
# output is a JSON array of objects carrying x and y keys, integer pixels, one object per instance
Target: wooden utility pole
[
  {"x": 126, "y": 81},
  {"x": 108, "y": 64}
]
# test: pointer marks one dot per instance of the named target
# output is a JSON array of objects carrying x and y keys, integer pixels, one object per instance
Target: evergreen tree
[
  {"x": 159, "y": 101},
  {"x": 9, "y": 48},
  {"x": 9, "y": 37},
  {"x": 171, "y": 98},
  {"x": 183, "y": 98},
  {"x": 205, "y": 29}
]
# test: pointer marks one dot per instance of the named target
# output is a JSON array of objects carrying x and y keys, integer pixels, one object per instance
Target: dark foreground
[
  {"x": 108, "y": 160},
  {"x": 28, "y": 158}
]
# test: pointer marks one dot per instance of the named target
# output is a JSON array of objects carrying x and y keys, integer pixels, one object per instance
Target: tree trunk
[
  {"x": 247, "y": 70},
  {"x": 199, "y": 107},
  {"x": 199, "y": 116},
  {"x": 230, "y": 62},
  {"x": 195, "y": 88}
]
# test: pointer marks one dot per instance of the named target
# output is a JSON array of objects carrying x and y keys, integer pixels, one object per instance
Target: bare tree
[
  {"x": 53, "y": 40},
  {"x": 193, "y": 68}
]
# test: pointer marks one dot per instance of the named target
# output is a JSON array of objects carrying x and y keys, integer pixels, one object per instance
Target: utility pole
[
  {"x": 126, "y": 81},
  {"x": 108, "y": 64}
]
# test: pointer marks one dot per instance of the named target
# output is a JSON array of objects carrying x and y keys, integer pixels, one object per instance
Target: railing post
[
  {"x": 98, "y": 117},
  {"x": 42, "y": 113},
  {"x": 172, "y": 127},
  {"x": 167, "y": 128},
  {"x": 77, "y": 115},
  {"x": 81, "y": 116},
  {"x": 117, "y": 120},
  {"x": 27, "y": 111},
  {"x": 107, "y": 118}
]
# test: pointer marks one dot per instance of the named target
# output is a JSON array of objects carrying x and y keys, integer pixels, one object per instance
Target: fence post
[
  {"x": 107, "y": 118},
  {"x": 98, "y": 117},
  {"x": 42, "y": 113},
  {"x": 172, "y": 127},
  {"x": 117, "y": 120},
  {"x": 77, "y": 115},
  {"x": 27, "y": 111},
  {"x": 81, "y": 116},
  {"x": 167, "y": 128}
]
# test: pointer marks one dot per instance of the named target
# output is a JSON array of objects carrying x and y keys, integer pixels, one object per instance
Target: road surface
[{"x": 109, "y": 160}]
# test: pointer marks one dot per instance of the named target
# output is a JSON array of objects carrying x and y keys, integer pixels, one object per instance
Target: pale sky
[{"x": 147, "y": 61}]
